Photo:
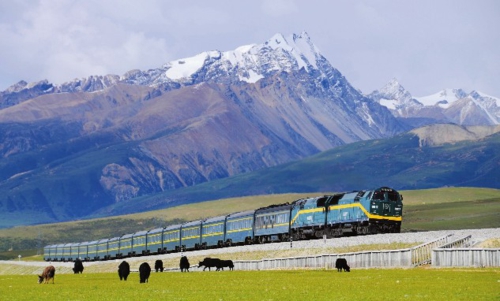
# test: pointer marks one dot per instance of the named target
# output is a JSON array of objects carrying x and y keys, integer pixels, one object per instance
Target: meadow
[{"x": 363, "y": 284}]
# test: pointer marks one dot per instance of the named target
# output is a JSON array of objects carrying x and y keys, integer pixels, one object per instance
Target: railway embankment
[{"x": 479, "y": 238}]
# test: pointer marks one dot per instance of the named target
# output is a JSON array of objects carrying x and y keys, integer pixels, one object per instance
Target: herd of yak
[{"x": 145, "y": 270}]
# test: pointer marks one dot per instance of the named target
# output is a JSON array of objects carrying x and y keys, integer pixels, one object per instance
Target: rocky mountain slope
[{"x": 69, "y": 150}]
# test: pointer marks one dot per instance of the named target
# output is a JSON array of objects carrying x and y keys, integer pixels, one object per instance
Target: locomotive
[{"x": 350, "y": 213}]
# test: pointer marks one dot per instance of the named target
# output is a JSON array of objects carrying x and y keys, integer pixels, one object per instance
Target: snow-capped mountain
[
  {"x": 192, "y": 120},
  {"x": 446, "y": 106}
]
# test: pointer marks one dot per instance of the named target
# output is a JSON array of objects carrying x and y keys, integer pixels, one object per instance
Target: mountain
[
  {"x": 429, "y": 157},
  {"x": 68, "y": 151},
  {"x": 446, "y": 106}
]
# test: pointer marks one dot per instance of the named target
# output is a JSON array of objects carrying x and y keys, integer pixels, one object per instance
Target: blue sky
[{"x": 427, "y": 45}]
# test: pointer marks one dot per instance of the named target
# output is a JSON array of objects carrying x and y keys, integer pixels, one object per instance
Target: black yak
[
  {"x": 209, "y": 263},
  {"x": 78, "y": 267},
  {"x": 144, "y": 272},
  {"x": 159, "y": 265},
  {"x": 341, "y": 264},
  {"x": 225, "y": 264},
  {"x": 184, "y": 264},
  {"x": 123, "y": 270}
]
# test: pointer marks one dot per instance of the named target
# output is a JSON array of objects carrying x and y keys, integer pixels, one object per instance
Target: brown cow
[{"x": 48, "y": 273}]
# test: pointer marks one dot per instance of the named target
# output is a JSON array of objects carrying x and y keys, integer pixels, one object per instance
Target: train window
[
  {"x": 393, "y": 196},
  {"x": 334, "y": 199},
  {"x": 379, "y": 195},
  {"x": 321, "y": 202}
]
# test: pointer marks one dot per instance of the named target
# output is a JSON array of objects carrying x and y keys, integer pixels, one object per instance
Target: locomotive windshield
[{"x": 386, "y": 195}]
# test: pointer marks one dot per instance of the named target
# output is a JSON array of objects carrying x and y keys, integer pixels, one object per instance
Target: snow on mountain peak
[
  {"x": 442, "y": 98},
  {"x": 251, "y": 62},
  {"x": 186, "y": 67}
]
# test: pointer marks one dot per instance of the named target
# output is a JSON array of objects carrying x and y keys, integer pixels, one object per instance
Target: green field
[
  {"x": 314, "y": 285},
  {"x": 429, "y": 209}
]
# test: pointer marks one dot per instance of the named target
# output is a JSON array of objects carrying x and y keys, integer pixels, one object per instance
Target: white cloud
[
  {"x": 278, "y": 7},
  {"x": 425, "y": 44}
]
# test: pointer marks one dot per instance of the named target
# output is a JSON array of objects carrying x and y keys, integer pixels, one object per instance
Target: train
[{"x": 350, "y": 213}]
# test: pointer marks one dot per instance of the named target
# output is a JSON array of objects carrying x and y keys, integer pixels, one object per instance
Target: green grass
[{"x": 371, "y": 284}]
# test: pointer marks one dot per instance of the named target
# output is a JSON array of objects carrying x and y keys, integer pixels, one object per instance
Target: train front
[{"x": 385, "y": 207}]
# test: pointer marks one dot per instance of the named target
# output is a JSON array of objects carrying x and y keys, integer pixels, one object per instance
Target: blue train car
[
  {"x": 74, "y": 253},
  {"x": 92, "y": 250},
  {"x": 308, "y": 218},
  {"x": 213, "y": 232},
  {"x": 49, "y": 253},
  {"x": 272, "y": 223},
  {"x": 172, "y": 238},
  {"x": 83, "y": 249},
  {"x": 126, "y": 245},
  {"x": 66, "y": 252},
  {"x": 113, "y": 248},
  {"x": 154, "y": 243},
  {"x": 58, "y": 252},
  {"x": 239, "y": 228},
  {"x": 139, "y": 243},
  {"x": 102, "y": 249},
  {"x": 191, "y": 235}
]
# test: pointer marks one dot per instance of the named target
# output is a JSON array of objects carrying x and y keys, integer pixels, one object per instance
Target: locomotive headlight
[{"x": 374, "y": 207}]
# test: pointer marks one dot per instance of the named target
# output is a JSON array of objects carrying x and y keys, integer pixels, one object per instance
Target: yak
[
  {"x": 123, "y": 270},
  {"x": 78, "y": 267},
  {"x": 144, "y": 272},
  {"x": 184, "y": 264},
  {"x": 158, "y": 265},
  {"x": 225, "y": 264},
  {"x": 209, "y": 263},
  {"x": 341, "y": 264},
  {"x": 48, "y": 273}
]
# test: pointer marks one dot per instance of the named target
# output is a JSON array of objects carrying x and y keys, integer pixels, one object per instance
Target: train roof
[
  {"x": 156, "y": 230},
  {"x": 193, "y": 223},
  {"x": 272, "y": 208},
  {"x": 215, "y": 219},
  {"x": 240, "y": 214},
  {"x": 141, "y": 233},
  {"x": 172, "y": 227}
]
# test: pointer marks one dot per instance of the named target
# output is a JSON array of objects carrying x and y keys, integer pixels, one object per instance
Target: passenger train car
[{"x": 354, "y": 213}]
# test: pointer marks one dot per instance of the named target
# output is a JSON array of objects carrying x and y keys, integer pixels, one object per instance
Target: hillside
[
  {"x": 402, "y": 162},
  {"x": 398, "y": 162}
]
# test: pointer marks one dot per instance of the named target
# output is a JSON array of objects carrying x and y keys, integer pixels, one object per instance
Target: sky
[{"x": 427, "y": 45}]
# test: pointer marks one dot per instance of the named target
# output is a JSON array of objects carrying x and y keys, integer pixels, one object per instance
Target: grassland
[
  {"x": 371, "y": 284},
  {"x": 431, "y": 209}
]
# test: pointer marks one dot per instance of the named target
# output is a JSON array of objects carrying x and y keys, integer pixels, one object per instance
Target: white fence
[
  {"x": 440, "y": 252},
  {"x": 466, "y": 257}
]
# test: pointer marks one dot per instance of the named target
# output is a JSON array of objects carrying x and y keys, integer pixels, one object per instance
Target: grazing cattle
[
  {"x": 159, "y": 265},
  {"x": 184, "y": 264},
  {"x": 78, "y": 268},
  {"x": 123, "y": 270},
  {"x": 209, "y": 263},
  {"x": 341, "y": 264},
  {"x": 48, "y": 273},
  {"x": 144, "y": 272},
  {"x": 225, "y": 264}
]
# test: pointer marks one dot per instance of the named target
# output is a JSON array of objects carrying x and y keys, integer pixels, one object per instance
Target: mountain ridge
[
  {"x": 445, "y": 106},
  {"x": 69, "y": 151}
]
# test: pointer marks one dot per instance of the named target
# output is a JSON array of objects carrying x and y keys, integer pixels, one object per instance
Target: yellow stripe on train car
[{"x": 345, "y": 206}]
